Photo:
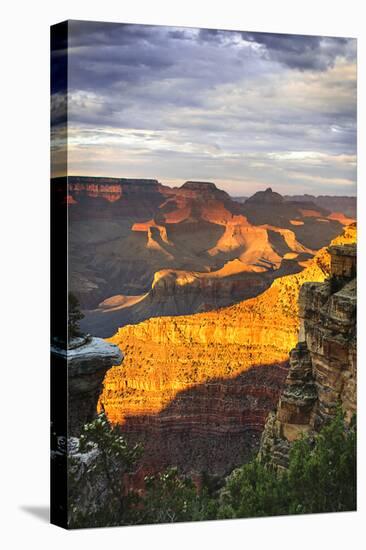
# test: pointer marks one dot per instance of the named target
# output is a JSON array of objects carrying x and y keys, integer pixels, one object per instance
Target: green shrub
[{"x": 321, "y": 477}]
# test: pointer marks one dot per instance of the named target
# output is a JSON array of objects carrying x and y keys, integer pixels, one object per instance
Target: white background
[{"x": 24, "y": 216}]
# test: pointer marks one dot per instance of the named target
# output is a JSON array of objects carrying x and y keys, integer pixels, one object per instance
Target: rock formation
[
  {"x": 194, "y": 364},
  {"x": 87, "y": 361},
  {"x": 211, "y": 427},
  {"x": 267, "y": 196},
  {"x": 346, "y": 205},
  {"x": 181, "y": 292},
  {"x": 123, "y": 231},
  {"x": 322, "y": 371}
]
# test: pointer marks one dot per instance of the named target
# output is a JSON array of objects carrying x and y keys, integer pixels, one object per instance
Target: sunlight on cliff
[{"x": 165, "y": 355}]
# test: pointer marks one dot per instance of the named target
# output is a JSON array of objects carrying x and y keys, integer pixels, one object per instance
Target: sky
[{"x": 245, "y": 110}]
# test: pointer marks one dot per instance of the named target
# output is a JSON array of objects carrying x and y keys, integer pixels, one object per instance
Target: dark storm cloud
[
  {"x": 242, "y": 108},
  {"x": 212, "y": 35},
  {"x": 124, "y": 53},
  {"x": 178, "y": 34},
  {"x": 300, "y": 52},
  {"x": 102, "y": 55},
  {"x": 93, "y": 33}
]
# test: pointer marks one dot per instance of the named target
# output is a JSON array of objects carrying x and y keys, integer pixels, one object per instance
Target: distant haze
[{"x": 244, "y": 110}]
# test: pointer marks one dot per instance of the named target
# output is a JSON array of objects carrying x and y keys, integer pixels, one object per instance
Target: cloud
[
  {"x": 242, "y": 109},
  {"x": 303, "y": 52}
]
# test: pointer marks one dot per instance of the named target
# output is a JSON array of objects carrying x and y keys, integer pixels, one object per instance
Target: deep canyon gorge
[{"x": 200, "y": 293}]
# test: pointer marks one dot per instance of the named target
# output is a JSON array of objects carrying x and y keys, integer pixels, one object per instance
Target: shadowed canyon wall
[
  {"x": 322, "y": 372},
  {"x": 211, "y": 427},
  {"x": 168, "y": 382},
  {"x": 139, "y": 249}
]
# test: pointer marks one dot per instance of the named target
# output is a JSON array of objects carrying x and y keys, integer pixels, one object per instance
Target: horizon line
[{"x": 207, "y": 181}]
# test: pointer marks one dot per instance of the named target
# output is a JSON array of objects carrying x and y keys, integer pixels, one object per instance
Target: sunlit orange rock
[
  {"x": 169, "y": 357},
  {"x": 323, "y": 365},
  {"x": 342, "y": 218}
]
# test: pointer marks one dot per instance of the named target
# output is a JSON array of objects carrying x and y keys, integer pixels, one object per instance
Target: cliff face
[
  {"x": 178, "y": 292},
  {"x": 322, "y": 371},
  {"x": 193, "y": 365},
  {"x": 88, "y": 360},
  {"x": 123, "y": 232},
  {"x": 210, "y": 427},
  {"x": 345, "y": 205}
]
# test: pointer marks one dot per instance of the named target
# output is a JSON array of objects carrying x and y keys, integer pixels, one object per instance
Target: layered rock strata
[
  {"x": 180, "y": 371},
  {"x": 210, "y": 427},
  {"x": 322, "y": 372},
  {"x": 122, "y": 232}
]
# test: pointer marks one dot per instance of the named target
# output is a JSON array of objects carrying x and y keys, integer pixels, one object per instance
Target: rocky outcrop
[
  {"x": 205, "y": 189},
  {"x": 322, "y": 372},
  {"x": 268, "y": 196},
  {"x": 179, "y": 372},
  {"x": 87, "y": 360},
  {"x": 176, "y": 292},
  {"x": 122, "y": 231},
  {"x": 311, "y": 223}
]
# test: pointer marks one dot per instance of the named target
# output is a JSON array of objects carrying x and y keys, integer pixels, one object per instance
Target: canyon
[
  {"x": 139, "y": 249},
  {"x": 197, "y": 389},
  {"x": 200, "y": 295},
  {"x": 323, "y": 364},
  {"x": 344, "y": 204}
]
